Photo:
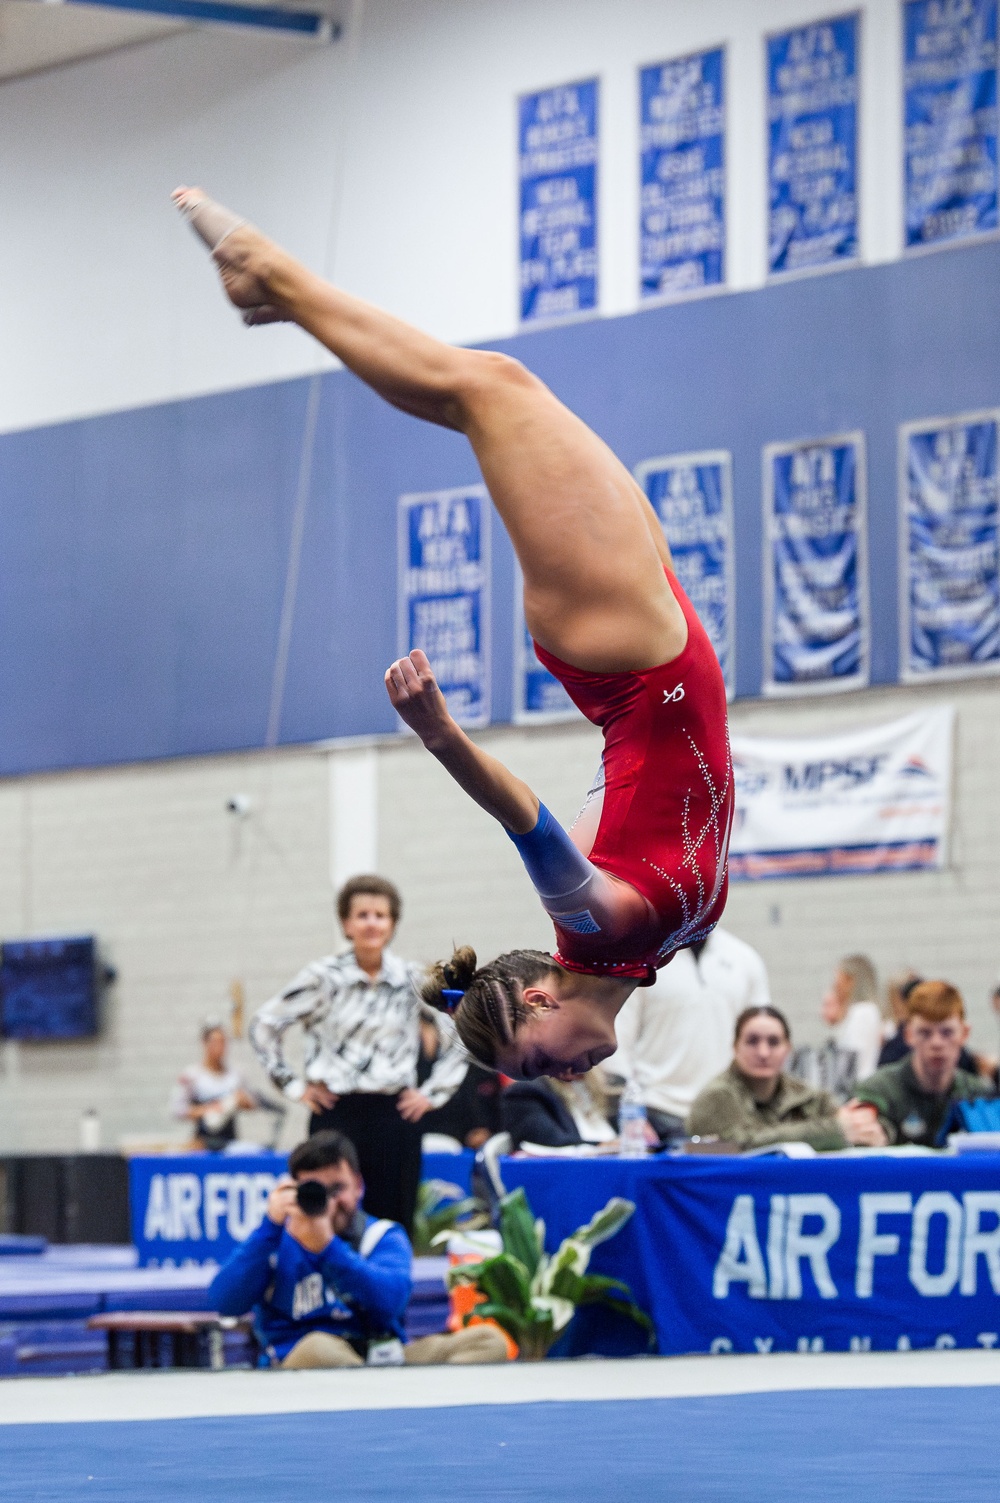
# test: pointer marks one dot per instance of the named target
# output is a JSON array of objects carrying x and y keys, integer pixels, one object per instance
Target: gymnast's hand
[{"x": 417, "y": 699}]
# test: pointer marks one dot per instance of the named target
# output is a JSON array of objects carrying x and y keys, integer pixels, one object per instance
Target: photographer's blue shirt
[{"x": 347, "y": 1289}]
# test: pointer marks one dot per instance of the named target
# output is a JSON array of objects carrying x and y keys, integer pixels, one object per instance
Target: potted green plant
[
  {"x": 443, "y": 1208},
  {"x": 533, "y": 1296}
]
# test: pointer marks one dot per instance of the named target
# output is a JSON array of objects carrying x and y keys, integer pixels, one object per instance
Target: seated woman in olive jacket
[{"x": 753, "y": 1104}]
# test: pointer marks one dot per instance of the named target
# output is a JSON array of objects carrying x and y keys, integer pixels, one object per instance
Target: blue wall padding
[{"x": 143, "y": 554}]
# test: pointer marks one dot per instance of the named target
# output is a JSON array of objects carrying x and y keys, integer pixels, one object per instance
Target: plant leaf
[
  {"x": 462, "y": 1274},
  {"x": 431, "y": 1192},
  {"x": 631, "y": 1309},
  {"x": 606, "y": 1223},
  {"x": 514, "y": 1325},
  {"x": 564, "y": 1284},
  {"x": 561, "y": 1311},
  {"x": 442, "y": 1207},
  {"x": 595, "y": 1286},
  {"x": 571, "y": 1254},
  {"x": 517, "y": 1228},
  {"x": 504, "y": 1280}
]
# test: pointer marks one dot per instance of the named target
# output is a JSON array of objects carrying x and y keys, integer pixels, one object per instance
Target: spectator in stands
[
  {"x": 914, "y": 1097},
  {"x": 473, "y": 1113},
  {"x": 361, "y": 1013},
  {"x": 897, "y": 989},
  {"x": 558, "y": 1113},
  {"x": 753, "y": 1104},
  {"x": 851, "y": 1011},
  {"x": 897, "y": 1046},
  {"x": 675, "y": 1035},
  {"x": 210, "y": 1095},
  {"x": 850, "y": 1007},
  {"x": 330, "y": 1289}
]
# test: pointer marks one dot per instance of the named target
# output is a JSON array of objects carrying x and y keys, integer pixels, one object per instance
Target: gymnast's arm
[
  {"x": 418, "y": 701},
  {"x": 567, "y": 883}
]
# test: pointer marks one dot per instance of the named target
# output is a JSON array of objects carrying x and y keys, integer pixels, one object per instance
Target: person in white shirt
[
  {"x": 850, "y": 1008},
  {"x": 210, "y": 1095},
  {"x": 676, "y": 1035}
]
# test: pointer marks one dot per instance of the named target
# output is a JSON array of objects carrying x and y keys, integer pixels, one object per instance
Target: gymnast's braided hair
[{"x": 492, "y": 1004}]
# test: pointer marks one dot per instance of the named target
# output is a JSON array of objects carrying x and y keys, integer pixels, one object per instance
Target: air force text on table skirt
[
  {"x": 770, "y": 1254},
  {"x": 184, "y": 1212},
  {"x": 727, "y": 1254}
]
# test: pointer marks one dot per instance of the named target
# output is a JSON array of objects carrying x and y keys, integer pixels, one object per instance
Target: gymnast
[{"x": 642, "y": 873}]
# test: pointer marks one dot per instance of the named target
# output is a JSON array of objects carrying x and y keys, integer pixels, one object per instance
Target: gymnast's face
[{"x": 565, "y": 1035}]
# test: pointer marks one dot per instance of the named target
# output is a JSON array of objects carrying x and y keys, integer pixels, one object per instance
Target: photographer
[{"x": 328, "y": 1284}]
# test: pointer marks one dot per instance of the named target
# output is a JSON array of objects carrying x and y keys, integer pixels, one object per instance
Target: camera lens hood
[{"x": 311, "y": 1196}]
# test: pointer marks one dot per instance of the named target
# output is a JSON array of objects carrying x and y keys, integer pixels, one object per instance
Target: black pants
[{"x": 388, "y": 1150}]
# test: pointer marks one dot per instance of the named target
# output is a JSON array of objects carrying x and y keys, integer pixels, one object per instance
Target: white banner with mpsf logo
[{"x": 873, "y": 800}]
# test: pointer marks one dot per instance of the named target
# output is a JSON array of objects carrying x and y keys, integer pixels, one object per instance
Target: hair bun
[{"x": 454, "y": 975}]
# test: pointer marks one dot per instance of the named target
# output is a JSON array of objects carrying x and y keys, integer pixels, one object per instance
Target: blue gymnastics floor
[{"x": 889, "y": 1445}]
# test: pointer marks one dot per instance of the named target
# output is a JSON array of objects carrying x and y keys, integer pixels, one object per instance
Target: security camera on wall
[{"x": 240, "y": 805}]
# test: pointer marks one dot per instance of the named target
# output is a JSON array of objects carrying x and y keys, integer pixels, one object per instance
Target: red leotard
[{"x": 668, "y": 799}]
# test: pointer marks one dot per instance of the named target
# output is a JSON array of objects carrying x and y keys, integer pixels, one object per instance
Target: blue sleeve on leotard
[{"x": 552, "y": 861}]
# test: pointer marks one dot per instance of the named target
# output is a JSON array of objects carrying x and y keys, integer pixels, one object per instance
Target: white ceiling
[{"x": 34, "y": 36}]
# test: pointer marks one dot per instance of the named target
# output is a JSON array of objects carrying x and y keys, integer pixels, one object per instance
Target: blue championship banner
[
  {"x": 815, "y": 571},
  {"x": 557, "y": 146},
  {"x": 444, "y": 593},
  {"x": 850, "y": 1254},
  {"x": 692, "y": 494},
  {"x": 539, "y": 697},
  {"x": 949, "y": 531},
  {"x": 683, "y": 169},
  {"x": 812, "y": 111},
  {"x": 198, "y": 1208},
  {"x": 950, "y": 71}
]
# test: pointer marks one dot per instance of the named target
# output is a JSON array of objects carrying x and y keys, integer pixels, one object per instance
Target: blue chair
[{"x": 982, "y": 1115}]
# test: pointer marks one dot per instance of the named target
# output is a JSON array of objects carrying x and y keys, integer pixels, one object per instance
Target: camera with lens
[{"x": 311, "y": 1196}]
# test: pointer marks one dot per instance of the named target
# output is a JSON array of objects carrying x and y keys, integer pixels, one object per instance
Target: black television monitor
[{"x": 48, "y": 988}]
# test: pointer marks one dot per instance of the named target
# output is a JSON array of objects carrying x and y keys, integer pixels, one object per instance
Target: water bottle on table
[{"x": 632, "y": 1123}]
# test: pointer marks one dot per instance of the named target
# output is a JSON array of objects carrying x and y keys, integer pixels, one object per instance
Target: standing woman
[
  {"x": 644, "y": 873},
  {"x": 210, "y": 1095},
  {"x": 360, "y": 1012}
]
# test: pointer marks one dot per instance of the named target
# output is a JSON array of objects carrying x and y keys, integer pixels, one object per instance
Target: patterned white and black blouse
[{"x": 362, "y": 1035}]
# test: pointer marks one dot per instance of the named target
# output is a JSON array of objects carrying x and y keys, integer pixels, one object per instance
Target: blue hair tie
[{"x": 451, "y": 998}]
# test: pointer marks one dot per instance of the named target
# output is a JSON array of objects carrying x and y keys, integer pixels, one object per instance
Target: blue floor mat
[{"x": 891, "y": 1445}]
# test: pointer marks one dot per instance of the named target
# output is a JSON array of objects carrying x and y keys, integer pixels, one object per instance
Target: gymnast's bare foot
[{"x": 241, "y": 253}]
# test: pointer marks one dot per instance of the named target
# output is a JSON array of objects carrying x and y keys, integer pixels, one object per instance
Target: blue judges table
[{"x": 769, "y": 1254}]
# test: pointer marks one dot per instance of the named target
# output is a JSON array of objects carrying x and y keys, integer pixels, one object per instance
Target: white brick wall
[{"x": 184, "y": 898}]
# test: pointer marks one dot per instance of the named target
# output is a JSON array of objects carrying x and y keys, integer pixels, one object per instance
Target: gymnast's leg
[{"x": 589, "y": 546}]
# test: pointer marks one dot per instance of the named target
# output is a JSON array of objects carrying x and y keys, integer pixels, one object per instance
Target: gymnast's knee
[{"x": 485, "y": 375}]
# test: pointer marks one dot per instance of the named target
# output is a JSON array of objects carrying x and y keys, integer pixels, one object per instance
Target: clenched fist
[{"x": 417, "y": 700}]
